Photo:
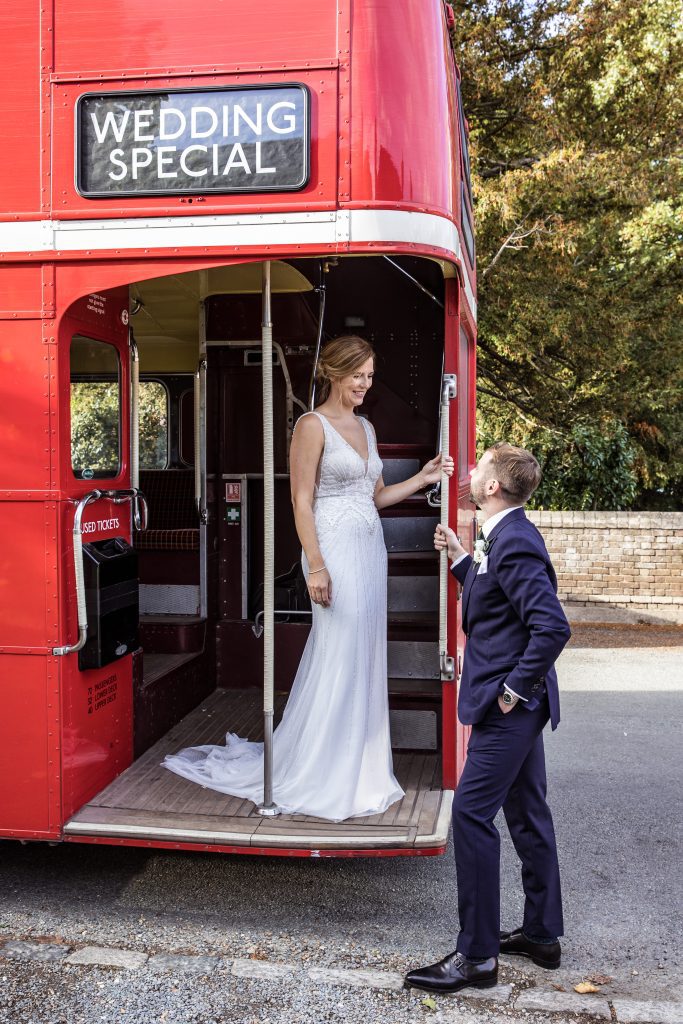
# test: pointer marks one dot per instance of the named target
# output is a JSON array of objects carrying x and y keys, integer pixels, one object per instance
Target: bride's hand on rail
[
  {"x": 320, "y": 587},
  {"x": 431, "y": 471}
]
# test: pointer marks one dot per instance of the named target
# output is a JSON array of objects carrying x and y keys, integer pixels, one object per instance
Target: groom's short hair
[{"x": 517, "y": 470}]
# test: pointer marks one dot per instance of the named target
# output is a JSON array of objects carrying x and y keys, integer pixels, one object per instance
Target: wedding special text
[{"x": 221, "y": 140}]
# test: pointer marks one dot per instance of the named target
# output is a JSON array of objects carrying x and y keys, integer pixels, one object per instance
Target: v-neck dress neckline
[{"x": 365, "y": 462}]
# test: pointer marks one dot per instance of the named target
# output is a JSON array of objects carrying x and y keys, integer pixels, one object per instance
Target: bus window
[
  {"x": 466, "y": 170},
  {"x": 187, "y": 428},
  {"x": 467, "y": 229},
  {"x": 153, "y": 425},
  {"x": 95, "y": 409},
  {"x": 463, "y": 406}
]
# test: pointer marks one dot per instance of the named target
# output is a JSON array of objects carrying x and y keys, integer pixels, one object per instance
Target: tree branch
[{"x": 516, "y": 235}]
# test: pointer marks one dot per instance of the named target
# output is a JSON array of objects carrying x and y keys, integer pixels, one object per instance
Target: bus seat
[{"x": 173, "y": 522}]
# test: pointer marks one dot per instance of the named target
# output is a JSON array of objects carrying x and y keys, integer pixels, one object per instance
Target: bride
[{"x": 332, "y": 749}]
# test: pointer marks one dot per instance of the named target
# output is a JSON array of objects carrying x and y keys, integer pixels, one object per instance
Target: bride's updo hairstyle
[{"x": 340, "y": 358}]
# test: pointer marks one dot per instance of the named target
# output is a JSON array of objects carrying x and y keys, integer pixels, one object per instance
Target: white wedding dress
[{"x": 332, "y": 749}]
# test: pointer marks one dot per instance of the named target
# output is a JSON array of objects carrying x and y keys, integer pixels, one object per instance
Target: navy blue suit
[{"x": 515, "y": 630}]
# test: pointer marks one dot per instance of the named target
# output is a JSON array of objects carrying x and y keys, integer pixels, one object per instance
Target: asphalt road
[{"x": 615, "y": 788}]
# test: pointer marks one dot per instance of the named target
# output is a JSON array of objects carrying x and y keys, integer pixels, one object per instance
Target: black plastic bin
[{"x": 110, "y": 570}]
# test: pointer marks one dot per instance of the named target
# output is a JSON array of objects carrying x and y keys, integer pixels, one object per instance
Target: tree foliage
[
  {"x": 96, "y": 431},
  {"x": 575, "y": 110}
]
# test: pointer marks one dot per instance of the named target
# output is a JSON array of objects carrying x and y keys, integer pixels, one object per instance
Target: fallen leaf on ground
[
  {"x": 584, "y": 987},
  {"x": 429, "y": 1003},
  {"x": 599, "y": 979},
  {"x": 559, "y": 988}
]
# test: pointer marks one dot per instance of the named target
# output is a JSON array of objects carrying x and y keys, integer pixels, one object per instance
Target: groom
[{"x": 515, "y": 630}]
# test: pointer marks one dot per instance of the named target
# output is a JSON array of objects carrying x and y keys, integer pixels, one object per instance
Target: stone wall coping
[
  {"x": 630, "y": 562},
  {"x": 616, "y": 520}
]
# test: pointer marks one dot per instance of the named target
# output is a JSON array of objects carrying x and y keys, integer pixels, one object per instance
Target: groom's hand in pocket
[{"x": 320, "y": 588}]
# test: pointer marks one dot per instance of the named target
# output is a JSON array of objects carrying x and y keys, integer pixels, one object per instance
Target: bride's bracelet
[{"x": 312, "y": 571}]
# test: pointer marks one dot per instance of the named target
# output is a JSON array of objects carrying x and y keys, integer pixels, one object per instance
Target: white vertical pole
[
  {"x": 448, "y": 389},
  {"x": 268, "y": 807}
]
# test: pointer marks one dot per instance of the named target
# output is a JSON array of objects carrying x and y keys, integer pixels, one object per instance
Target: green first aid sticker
[{"x": 233, "y": 515}]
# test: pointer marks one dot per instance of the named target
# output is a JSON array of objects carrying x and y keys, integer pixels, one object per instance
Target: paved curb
[
  {"x": 40, "y": 951},
  {"x": 563, "y": 1002},
  {"x": 530, "y": 1000},
  {"x": 361, "y": 977},
  {"x": 102, "y": 956},
  {"x": 176, "y": 963},
  {"x": 632, "y": 1011},
  {"x": 497, "y": 994},
  {"x": 260, "y": 970}
]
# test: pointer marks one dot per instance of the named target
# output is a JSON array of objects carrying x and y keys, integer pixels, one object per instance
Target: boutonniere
[{"x": 481, "y": 548}]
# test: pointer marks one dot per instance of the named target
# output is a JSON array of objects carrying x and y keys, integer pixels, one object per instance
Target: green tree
[
  {"x": 575, "y": 110},
  {"x": 95, "y": 427}
]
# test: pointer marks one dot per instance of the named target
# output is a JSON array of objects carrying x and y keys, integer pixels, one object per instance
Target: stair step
[
  {"x": 422, "y": 452},
  {"x": 414, "y": 563},
  {"x": 413, "y": 659},
  {"x": 413, "y": 594},
  {"x": 410, "y": 532},
  {"x": 172, "y": 634},
  {"x": 414, "y": 729},
  {"x": 413, "y": 626},
  {"x": 417, "y": 688},
  {"x": 397, "y": 470}
]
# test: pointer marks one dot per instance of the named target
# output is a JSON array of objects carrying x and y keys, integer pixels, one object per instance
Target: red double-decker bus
[{"x": 193, "y": 200}]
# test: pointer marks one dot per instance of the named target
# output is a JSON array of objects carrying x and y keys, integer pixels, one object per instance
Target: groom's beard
[{"x": 475, "y": 498}]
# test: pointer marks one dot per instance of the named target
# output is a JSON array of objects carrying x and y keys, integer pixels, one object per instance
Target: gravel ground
[
  {"x": 614, "y": 780},
  {"x": 82, "y": 996}
]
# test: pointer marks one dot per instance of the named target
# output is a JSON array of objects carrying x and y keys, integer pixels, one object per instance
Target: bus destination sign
[{"x": 234, "y": 139}]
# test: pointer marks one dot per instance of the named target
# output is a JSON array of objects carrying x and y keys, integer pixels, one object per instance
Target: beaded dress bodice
[{"x": 346, "y": 477}]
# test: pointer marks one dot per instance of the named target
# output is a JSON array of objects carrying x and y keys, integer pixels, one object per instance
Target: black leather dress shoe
[
  {"x": 544, "y": 954},
  {"x": 453, "y": 973}
]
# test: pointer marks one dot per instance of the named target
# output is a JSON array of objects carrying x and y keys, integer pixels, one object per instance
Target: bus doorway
[{"x": 199, "y": 672}]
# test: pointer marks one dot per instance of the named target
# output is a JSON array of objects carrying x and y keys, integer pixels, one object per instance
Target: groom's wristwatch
[{"x": 509, "y": 698}]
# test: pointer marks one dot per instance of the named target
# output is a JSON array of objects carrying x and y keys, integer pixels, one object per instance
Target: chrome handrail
[
  {"x": 447, "y": 664},
  {"x": 257, "y": 628},
  {"x": 199, "y": 441},
  {"x": 321, "y": 290}
]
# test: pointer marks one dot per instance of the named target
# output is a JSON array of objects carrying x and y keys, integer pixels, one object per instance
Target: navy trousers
[{"x": 505, "y": 767}]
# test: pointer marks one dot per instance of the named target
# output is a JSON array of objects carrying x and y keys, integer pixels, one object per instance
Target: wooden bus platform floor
[{"x": 149, "y": 802}]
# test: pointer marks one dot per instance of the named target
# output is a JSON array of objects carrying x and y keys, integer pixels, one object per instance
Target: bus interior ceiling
[{"x": 198, "y": 677}]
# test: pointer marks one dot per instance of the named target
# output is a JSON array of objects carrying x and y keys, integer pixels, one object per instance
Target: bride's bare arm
[
  {"x": 304, "y": 457},
  {"x": 429, "y": 474}
]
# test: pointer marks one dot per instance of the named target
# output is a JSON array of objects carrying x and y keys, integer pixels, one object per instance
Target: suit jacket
[{"x": 513, "y": 621}]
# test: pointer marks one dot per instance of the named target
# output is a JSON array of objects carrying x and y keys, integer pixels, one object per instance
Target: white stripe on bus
[{"x": 255, "y": 230}]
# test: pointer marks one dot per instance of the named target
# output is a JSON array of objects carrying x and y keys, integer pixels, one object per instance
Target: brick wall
[{"x": 613, "y": 565}]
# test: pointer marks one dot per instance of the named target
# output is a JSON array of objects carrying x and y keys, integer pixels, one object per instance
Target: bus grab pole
[
  {"x": 448, "y": 391},
  {"x": 268, "y": 808},
  {"x": 135, "y": 432}
]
